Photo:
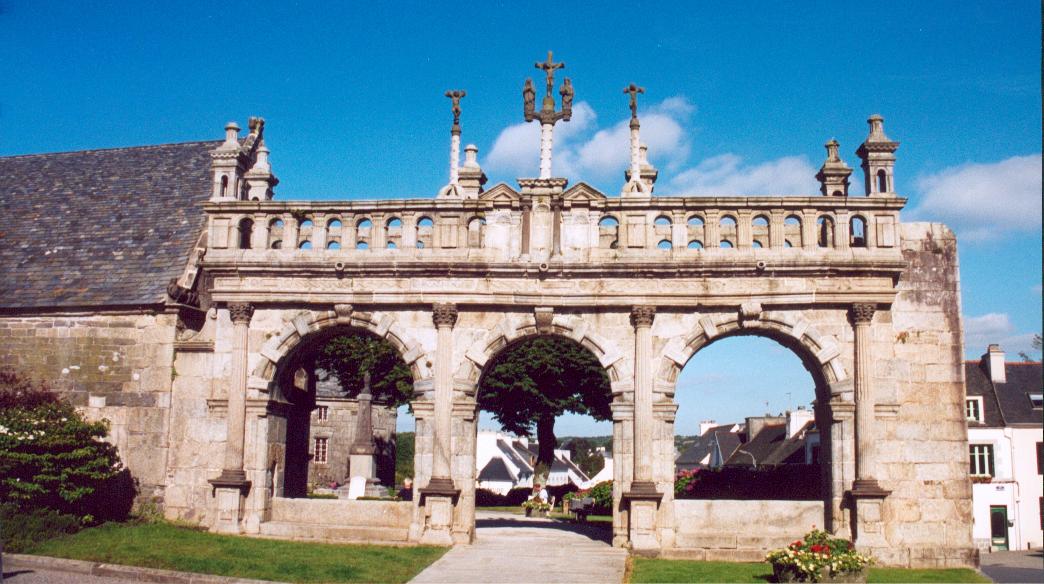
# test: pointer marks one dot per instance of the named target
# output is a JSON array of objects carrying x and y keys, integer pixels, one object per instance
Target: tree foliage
[
  {"x": 531, "y": 383},
  {"x": 348, "y": 357}
]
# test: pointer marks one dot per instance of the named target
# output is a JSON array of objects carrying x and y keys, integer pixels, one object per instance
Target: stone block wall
[
  {"x": 339, "y": 430},
  {"x": 117, "y": 367}
]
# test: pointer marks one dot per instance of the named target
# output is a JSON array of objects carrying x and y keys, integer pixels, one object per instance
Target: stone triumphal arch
[{"x": 868, "y": 303}]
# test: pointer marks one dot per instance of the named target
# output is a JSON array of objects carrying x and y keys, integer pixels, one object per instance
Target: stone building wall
[
  {"x": 114, "y": 366},
  {"x": 339, "y": 430}
]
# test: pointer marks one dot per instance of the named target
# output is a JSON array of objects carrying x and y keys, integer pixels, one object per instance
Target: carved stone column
[
  {"x": 556, "y": 227},
  {"x": 231, "y": 486},
  {"x": 527, "y": 220},
  {"x": 642, "y": 497},
  {"x": 866, "y": 492},
  {"x": 438, "y": 496}
]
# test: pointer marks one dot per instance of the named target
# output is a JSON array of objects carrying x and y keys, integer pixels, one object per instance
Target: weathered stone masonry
[{"x": 191, "y": 358}]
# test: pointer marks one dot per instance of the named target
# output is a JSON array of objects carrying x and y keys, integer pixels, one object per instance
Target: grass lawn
[
  {"x": 516, "y": 509},
  {"x": 170, "y": 547},
  {"x": 650, "y": 570}
]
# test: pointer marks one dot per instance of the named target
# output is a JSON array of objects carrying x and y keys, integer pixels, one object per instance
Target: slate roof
[
  {"x": 496, "y": 470},
  {"x": 100, "y": 227},
  {"x": 761, "y": 446},
  {"x": 791, "y": 450},
  {"x": 1006, "y": 404}
]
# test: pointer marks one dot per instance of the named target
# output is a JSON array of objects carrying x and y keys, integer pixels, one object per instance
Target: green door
[{"x": 999, "y": 527}]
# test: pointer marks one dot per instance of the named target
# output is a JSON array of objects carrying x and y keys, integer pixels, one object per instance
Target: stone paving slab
[{"x": 512, "y": 548}]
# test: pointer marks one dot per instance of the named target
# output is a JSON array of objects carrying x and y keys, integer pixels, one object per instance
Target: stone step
[{"x": 333, "y": 534}]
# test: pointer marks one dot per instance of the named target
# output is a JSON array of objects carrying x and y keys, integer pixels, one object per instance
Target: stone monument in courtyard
[{"x": 246, "y": 289}]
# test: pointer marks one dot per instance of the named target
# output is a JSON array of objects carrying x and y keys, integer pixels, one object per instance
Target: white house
[
  {"x": 1004, "y": 411},
  {"x": 504, "y": 462}
]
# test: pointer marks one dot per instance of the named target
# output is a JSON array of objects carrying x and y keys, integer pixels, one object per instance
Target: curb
[{"x": 120, "y": 571}]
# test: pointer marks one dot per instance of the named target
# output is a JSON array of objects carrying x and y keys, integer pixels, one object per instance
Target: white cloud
[
  {"x": 985, "y": 201},
  {"x": 995, "y": 328},
  {"x": 581, "y": 155},
  {"x": 726, "y": 174}
]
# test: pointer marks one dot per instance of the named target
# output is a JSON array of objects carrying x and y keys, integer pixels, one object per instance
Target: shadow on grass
[{"x": 598, "y": 532}]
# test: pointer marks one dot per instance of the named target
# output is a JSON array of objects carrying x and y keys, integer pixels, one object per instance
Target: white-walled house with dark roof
[{"x": 1004, "y": 412}]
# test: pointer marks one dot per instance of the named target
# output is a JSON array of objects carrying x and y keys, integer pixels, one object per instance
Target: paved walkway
[
  {"x": 1015, "y": 566},
  {"x": 513, "y": 548}
]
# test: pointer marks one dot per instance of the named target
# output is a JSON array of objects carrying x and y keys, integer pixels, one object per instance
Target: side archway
[{"x": 307, "y": 323}]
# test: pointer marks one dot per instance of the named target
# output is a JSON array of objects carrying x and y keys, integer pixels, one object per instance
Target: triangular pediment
[
  {"x": 501, "y": 193},
  {"x": 582, "y": 193}
]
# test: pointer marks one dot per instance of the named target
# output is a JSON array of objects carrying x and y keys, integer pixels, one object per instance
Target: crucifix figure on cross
[
  {"x": 634, "y": 90},
  {"x": 547, "y": 114},
  {"x": 455, "y": 95},
  {"x": 549, "y": 68}
]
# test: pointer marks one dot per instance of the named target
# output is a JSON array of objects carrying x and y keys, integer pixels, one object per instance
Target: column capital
[
  {"x": 642, "y": 316},
  {"x": 241, "y": 312},
  {"x": 863, "y": 313},
  {"x": 444, "y": 314}
]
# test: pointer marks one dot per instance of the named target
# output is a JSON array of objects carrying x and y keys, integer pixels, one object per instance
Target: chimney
[
  {"x": 797, "y": 419},
  {"x": 706, "y": 425},
  {"x": 994, "y": 362}
]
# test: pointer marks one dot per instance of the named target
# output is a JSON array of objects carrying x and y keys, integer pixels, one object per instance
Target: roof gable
[{"x": 100, "y": 227}]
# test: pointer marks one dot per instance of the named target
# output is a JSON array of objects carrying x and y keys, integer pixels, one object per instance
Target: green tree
[
  {"x": 531, "y": 383},
  {"x": 348, "y": 357}
]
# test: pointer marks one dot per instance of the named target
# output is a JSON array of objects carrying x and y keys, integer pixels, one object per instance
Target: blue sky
[{"x": 740, "y": 98}]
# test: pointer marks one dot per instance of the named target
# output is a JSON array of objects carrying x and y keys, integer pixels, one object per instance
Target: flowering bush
[
  {"x": 602, "y": 493},
  {"x": 537, "y": 505},
  {"x": 816, "y": 558},
  {"x": 51, "y": 457},
  {"x": 682, "y": 481}
]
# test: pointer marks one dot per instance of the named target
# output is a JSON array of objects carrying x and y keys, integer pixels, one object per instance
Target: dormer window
[
  {"x": 1037, "y": 399},
  {"x": 973, "y": 409}
]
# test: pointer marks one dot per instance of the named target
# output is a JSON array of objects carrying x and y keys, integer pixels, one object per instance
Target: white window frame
[
  {"x": 322, "y": 413},
  {"x": 977, "y": 400},
  {"x": 320, "y": 450},
  {"x": 980, "y": 459}
]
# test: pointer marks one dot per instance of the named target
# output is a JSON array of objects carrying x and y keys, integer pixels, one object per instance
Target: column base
[
  {"x": 438, "y": 520},
  {"x": 230, "y": 491},
  {"x": 643, "y": 491},
  {"x": 868, "y": 489},
  {"x": 642, "y": 530},
  {"x": 867, "y": 517},
  {"x": 439, "y": 487}
]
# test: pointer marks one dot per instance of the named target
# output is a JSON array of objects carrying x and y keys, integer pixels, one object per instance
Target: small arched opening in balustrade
[
  {"x": 363, "y": 233},
  {"x": 760, "y": 234},
  {"x": 305, "y": 232},
  {"x": 425, "y": 232},
  {"x": 334, "y": 234},
  {"x": 246, "y": 232},
  {"x": 275, "y": 234},
  {"x": 695, "y": 244},
  {"x": 825, "y": 231},
  {"x": 608, "y": 232},
  {"x": 224, "y": 186},
  {"x": 857, "y": 231},
  {"x": 393, "y": 233},
  {"x": 476, "y": 232},
  {"x": 792, "y": 235},
  {"x": 882, "y": 181}
]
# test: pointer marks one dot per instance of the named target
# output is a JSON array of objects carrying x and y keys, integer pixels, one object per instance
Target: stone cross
[
  {"x": 547, "y": 114},
  {"x": 634, "y": 90},
  {"x": 635, "y": 186},
  {"x": 455, "y": 95}
]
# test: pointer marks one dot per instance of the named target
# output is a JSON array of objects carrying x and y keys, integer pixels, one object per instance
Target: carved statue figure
[
  {"x": 634, "y": 90},
  {"x": 455, "y": 95},
  {"x": 566, "y": 92},
  {"x": 549, "y": 68},
  {"x": 529, "y": 94}
]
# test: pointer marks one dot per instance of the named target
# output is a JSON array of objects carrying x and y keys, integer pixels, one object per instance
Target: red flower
[{"x": 797, "y": 545}]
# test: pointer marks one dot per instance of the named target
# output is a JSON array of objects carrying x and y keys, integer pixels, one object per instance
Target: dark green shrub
[
  {"x": 21, "y": 529},
  {"x": 53, "y": 458}
]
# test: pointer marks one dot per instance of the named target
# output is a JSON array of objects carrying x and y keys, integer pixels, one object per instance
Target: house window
[
  {"x": 1037, "y": 399},
  {"x": 322, "y": 413},
  {"x": 973, "y": 409},
  {"x": 981, "y": 459},
  {"x": 321, "y": 449}
]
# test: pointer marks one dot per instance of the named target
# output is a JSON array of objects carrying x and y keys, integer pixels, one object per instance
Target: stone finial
[
  {"x": 833, "y": 175},
  {"x": 240, "y": 312},
  {"x": 471, "y": 177},
  {"x": 642, "y": 316},
  {"x": 231, "y": 134},
  {"x": 863, "y": 313},
  {"x": 444, "y": 314},
  {"x": 878, "y": 155}
]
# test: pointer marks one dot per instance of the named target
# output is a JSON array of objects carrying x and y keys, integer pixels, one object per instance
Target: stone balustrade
[{"x": 600, "y": 230}]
